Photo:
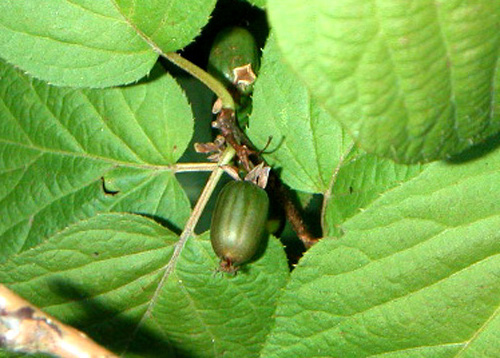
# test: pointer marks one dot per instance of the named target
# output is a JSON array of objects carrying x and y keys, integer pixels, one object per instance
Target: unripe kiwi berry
[
  {"x": 233, "y": 48},
  {"x": 238, "y": 223}
]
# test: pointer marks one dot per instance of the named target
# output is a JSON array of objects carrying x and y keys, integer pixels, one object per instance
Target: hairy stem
[
  {"x": 214, "y": 178},
  {"x": 209, "y": 81},
  {"x": 280, "y": 193}
]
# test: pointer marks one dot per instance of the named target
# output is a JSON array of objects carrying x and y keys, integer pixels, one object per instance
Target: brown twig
[
  {"x": 24, "y": 328},
  {"x": 226, "y": 123},
  {"x": 280, "y": 194}
]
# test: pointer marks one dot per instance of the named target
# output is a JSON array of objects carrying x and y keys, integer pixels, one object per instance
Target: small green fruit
[
  {"x": 238, "y": 223},
  {"x": 234, "y": 59}
]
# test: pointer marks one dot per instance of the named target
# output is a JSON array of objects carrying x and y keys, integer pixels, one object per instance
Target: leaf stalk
[
  {"x": 214, "y": 178},
  {"x": 207, "y": 79}
]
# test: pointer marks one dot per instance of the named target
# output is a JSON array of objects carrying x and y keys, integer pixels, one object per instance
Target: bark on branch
[{"x": 25, "y": 328}]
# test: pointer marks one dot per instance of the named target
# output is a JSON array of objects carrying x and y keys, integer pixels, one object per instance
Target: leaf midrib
[{"x": 85, "y": 155}]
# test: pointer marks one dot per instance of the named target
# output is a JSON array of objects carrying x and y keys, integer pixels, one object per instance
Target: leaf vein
[{"x": 153, "y": 144}]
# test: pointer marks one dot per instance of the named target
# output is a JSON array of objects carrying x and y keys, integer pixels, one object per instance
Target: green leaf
[
  {"x": 67, "y": 154},
  {"x": 360, "y": 179},
  {"x": 101, "y": 276},
  {"x": 310, "y": 149},
  {"x": 417, "y": 273},
  {"x": 80, "y": 43},
  {"x": 410, "y": 82},
  {"x": 168, "y": 24},
  {"x": 307, "y": 144}
]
